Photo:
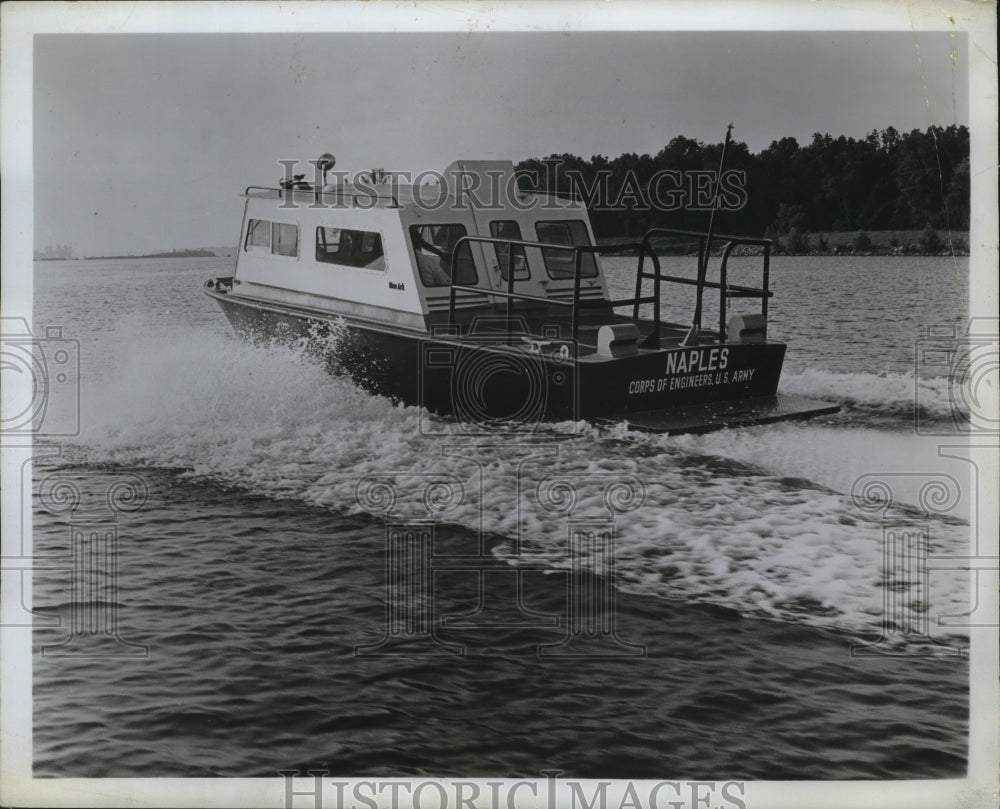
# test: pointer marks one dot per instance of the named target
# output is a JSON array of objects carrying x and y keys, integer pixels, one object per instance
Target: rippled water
[{"x": 255, "y": 571}]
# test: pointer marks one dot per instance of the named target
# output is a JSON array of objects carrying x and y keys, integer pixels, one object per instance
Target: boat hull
[{"x": 488, "y": 379}]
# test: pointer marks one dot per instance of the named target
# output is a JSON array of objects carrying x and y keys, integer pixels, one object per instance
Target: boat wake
[
  {"x": 894, "y": 399},
  {"x": 761, "y": 520}
]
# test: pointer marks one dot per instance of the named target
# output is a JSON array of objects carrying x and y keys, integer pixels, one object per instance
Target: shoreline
[{"x": 904, "y": 244}]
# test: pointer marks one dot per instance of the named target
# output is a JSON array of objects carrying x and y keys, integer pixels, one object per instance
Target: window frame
[
  {"x": 251, "y": 230},
  {"x": 519, "y": 275},
  {"x": 275, "y": 227}
]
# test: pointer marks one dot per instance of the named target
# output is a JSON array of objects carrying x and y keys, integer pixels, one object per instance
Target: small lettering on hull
[
  {"x": 637, "y": 387},
  {"x": 397, "y": 285}
]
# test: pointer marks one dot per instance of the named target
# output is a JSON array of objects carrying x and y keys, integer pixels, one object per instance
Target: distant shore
[{"x": 197, "y": 252}]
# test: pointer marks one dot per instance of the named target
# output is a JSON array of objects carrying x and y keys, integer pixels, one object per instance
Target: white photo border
[{"x": 22, "y": 20}]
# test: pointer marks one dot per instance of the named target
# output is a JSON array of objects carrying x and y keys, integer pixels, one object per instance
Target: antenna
[{"x": 703, "y": 258}]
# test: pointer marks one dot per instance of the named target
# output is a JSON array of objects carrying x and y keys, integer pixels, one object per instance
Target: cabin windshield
[
  {"x": 433, "y": 246},
  {"x": 562, "y": 263}
]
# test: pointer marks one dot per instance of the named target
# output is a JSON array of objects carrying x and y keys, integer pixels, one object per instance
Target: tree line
[{"x": 885, "y": 181}]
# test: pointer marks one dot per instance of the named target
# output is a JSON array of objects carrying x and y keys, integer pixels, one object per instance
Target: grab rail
[
  {"x": 725, "y": 290},
  {"x": 317, "y": 196}
]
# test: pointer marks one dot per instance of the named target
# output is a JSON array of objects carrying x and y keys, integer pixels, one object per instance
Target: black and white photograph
[{"x": 492, "y": 405}]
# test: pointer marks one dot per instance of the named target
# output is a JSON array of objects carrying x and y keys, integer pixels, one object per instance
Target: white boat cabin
[{"x": 383, "y": 252}]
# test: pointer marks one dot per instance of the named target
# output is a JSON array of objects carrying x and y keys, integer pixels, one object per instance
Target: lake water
[{"x": 251, "y": 596}]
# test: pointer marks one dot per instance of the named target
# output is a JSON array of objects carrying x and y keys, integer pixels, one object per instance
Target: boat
[{"x": 495, "y": 310}]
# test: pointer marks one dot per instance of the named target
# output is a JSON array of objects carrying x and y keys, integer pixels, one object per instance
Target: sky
[{"x": 144, "y": 142}]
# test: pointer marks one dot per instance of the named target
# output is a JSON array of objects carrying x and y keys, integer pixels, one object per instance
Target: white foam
[
  {"x": 718, "y": 521},
  {"x": 891, "y": 392},
  {"x": 839, "y": 458}
]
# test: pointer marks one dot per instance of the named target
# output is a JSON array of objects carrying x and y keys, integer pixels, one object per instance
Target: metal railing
[
  {"x": 726, "y": 290},
  {"x": 510, "y": 294}
]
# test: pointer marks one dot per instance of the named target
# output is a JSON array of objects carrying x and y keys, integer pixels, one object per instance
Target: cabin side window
[
  {"x": 509, "y": 229},
  {"x": 350, "y": 248},
  {"x": 284, "y": 239},
  {"x": 434, "y": 246},
  {"x": 561, "y": 263},
  {"x": 258, "y": 235},
  {"x": 277, "y": 238}
]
